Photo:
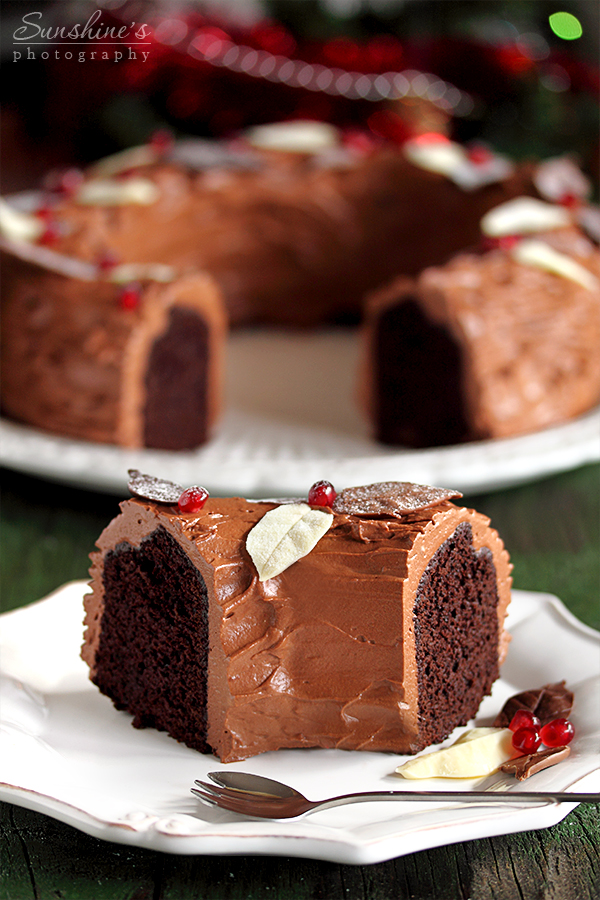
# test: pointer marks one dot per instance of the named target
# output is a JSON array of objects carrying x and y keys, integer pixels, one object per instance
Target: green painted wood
[
  {"x": 552, "y": 529},
  {"x": 43, "y": 859},
  {"x": 47, "y": 534}
]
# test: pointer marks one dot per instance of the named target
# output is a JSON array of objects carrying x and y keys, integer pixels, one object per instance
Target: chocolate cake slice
[
  {"x": 490, "y": 345},
  {"x": 136, "y": 364},
  {"x": 384, "y": 631}
]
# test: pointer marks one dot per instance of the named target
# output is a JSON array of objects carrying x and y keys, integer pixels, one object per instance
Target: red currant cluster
[{"x": 529, "y": 733}]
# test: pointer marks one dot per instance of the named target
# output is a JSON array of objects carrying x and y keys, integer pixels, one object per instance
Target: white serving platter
[{"x": 65, "y": 751}]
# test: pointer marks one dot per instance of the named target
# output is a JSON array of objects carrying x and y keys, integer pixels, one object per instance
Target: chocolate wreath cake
[
  {"x": 370, "y": 620},
  {"x": 294, "y": 241},
  {"x": 489, "y": 345}
]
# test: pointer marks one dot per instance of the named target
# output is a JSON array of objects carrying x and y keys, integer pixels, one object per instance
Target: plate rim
[{"x": 480, "y": 466}]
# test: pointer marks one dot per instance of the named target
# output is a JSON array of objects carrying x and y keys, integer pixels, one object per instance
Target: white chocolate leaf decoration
[
  {"x": 523, "y": 215},
  {"x": 441, "y": 156},
  {"x": 450, "y": 159},
  {"x": 541, "y": 255},
  {"x": 300, "y": 136},
  {"x": 128, "y": 272},
  {"x": 131, "y": 158},
  {"x": 476, "y": 753},
  {"x": 284, "y": 535},
  {"x": 16, "y": 225},
  {"x": 117, "y": 192}
]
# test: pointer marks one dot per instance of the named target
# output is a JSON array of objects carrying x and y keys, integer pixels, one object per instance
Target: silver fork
[{"x": 253, "y": 795}]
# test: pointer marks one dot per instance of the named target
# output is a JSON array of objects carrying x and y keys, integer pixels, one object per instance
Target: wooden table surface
[{"x": 552, "y": 529}]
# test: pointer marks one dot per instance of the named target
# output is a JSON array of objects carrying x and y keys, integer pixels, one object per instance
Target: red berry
[
  {"x": 479, "y": 154},
  {"x": 130, "y": 296},
  {"x": 192, "y": 499},
  {"x": 359, "y": 141},
  {"x": 524, "y": 718},
  {"x": 107, "y": 261},
  {"x": 71, "y": 181},
  {"x": 508, "y": 241},
  {"x": 45, "y": 212},
  {"x": 431, "y": 137},
  {"x": 162, "y": 141},
  {"x": 51, "y": 233},
  {"x": 557, "y": 733},
  {"x": 64, "y": 181},
  {"x": 571, "y": 201},
  {"x": 322, "y": 493},
  {"x": 527, "y": 740}
]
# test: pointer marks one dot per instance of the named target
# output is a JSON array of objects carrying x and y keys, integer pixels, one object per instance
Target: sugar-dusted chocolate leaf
[
  {"x": 552, "y": 701},
  {"x": 146, "y": 487},
  {"x": 284, "y": 535},
  {"x": 390, "y": 498}
]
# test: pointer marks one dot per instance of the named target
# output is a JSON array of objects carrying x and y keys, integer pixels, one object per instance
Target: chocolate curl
[{"x": 552, "y": 701}]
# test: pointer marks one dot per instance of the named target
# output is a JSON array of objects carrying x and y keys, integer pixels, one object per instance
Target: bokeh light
[{"x": 565, "y": 26}]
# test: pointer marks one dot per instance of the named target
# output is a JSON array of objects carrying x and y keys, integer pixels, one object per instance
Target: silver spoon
[{"x": 253, "y": 795}]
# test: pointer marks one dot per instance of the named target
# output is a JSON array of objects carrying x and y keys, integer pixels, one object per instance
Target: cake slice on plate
[{"x": 370, "y": 620}]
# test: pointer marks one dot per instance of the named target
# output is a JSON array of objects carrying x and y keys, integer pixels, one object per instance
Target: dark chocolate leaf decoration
[
  {"x": 146, "y": 487},
  {"x": 390, "y": 498},
  {"x": 552, "y": 701},
  {"x": 523, "y": 767}
]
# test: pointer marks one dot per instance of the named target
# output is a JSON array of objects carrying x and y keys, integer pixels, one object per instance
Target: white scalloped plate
[
  {"x": 65, "y": 751},
  {"x": 291, "y": 419}
]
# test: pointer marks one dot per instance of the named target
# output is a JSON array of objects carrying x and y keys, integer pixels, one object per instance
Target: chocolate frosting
[
  {"x": 291, "y": 244},
  {"x": 326, "y": 648}
]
